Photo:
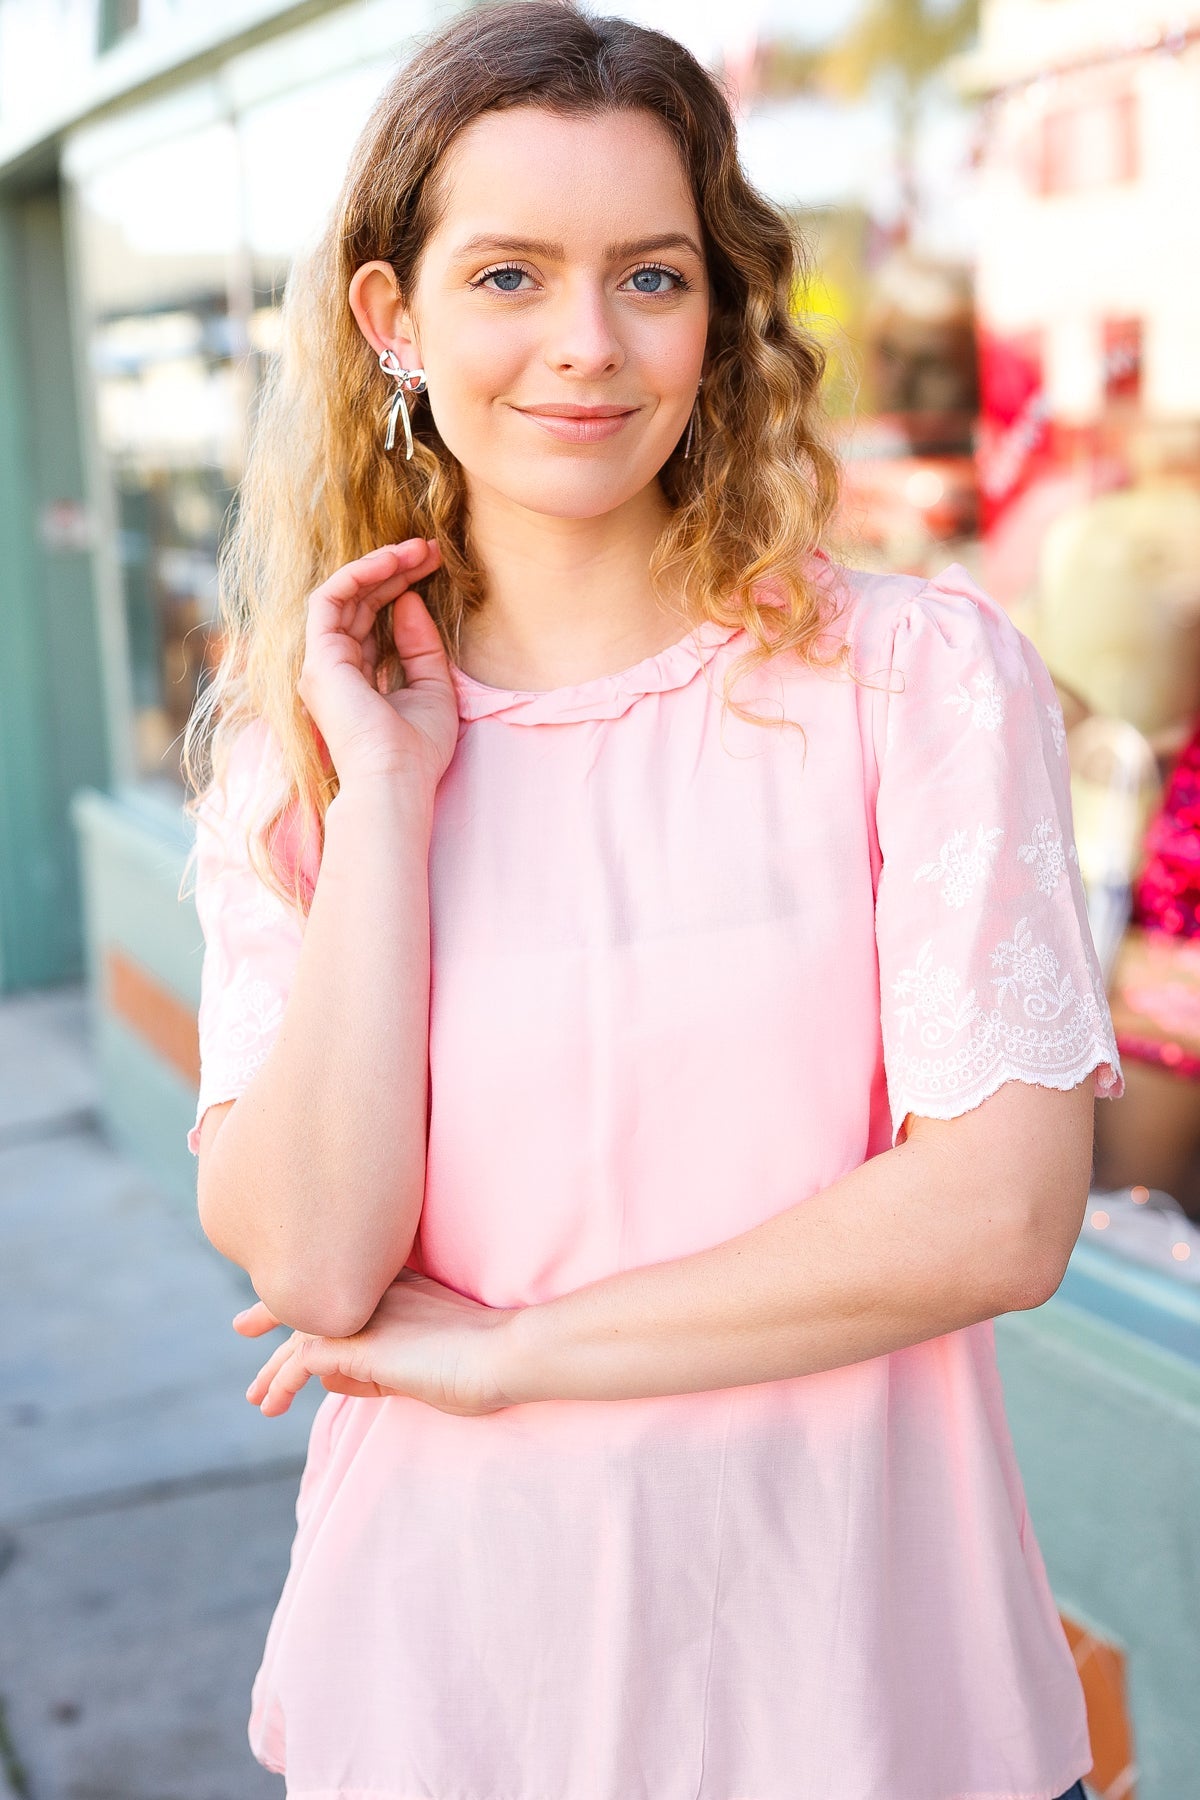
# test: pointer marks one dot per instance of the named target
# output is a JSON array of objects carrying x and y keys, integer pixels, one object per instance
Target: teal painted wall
[
  {"x": 1107, "y": 1431},
  {"x": 52, "y": 718},
  {"x": 133, "y": 854}
]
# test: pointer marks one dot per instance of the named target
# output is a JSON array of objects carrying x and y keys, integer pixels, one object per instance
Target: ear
[{"x": 381, "y": 314}]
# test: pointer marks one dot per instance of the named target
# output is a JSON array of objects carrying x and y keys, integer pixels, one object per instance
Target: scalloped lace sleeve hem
[
  {"x": 1100, "y": 1060},
  {"x": 227, "y": 1080}
]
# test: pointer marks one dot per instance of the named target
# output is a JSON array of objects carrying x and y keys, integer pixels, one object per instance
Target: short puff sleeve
[
  {"x": 251, "y": 937},
  {"x": 988, "y": 970}
]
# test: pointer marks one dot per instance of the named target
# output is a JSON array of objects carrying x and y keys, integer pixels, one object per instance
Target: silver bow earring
[
  {"x": 411, "y": 381},
  {"x": 687, "y": 442}
]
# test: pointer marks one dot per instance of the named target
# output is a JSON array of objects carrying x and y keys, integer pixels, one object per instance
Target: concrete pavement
[{"x": 146, "y": 1510}]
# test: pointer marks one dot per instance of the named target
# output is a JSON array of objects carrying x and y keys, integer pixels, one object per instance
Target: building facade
[
  {"x": 160, "y": 165},
  {"x": 1088, "y": 252}
]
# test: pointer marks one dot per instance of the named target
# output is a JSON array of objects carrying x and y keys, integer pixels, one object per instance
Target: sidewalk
[{"x": 146, "y": 1510}]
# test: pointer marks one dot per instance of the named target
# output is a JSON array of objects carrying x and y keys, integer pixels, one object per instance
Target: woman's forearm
[
  {"x": 893, "y": 1253},
  {"x": 315, "y": 1178}
]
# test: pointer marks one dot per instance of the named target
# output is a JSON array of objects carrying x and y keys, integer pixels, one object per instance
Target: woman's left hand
[{"x": 424, "y": 1340}]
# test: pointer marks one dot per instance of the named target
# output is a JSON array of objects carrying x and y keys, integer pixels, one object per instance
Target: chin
[{"x": 570, "y": 492}]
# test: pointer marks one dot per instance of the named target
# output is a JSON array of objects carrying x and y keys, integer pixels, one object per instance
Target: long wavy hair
[{"x": 749, "y": 507}]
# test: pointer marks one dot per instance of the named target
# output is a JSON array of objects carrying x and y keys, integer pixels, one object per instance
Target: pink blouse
[{"x": 686, "y": 972}]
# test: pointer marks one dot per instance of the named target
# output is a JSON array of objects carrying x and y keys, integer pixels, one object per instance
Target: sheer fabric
[
  {"x": 981, "y": 919},
  {"x": 252, "y": 938}
]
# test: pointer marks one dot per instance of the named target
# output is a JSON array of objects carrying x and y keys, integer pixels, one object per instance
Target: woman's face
[{"x": 561, "y": 307}]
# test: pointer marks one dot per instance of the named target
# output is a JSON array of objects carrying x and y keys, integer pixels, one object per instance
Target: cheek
[
  {"x": 670, "y": 353},
  {"x": 472, "y": 362}
]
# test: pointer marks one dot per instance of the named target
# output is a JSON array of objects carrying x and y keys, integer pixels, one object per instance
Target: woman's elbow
[
  {"x": 1038, "y": 1256},
  {"x": 1036, "y": 1145},
  {"x": 315, "y": 1310}
]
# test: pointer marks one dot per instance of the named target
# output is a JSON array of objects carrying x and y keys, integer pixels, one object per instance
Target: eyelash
[{"x": 658, "y": 268}]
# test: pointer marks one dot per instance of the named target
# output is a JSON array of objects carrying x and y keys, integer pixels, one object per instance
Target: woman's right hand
[{"x": 411, "y": 732}]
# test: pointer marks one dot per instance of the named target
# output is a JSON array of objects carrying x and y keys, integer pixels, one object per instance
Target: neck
[{"x": 567, "y": 599}]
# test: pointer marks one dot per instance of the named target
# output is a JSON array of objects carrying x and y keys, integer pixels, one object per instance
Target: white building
[{"x": 1089, "y": 229}]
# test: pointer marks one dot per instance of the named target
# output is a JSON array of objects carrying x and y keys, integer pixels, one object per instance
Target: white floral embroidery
[
  {"x": 1045, "y": 853},
  {"x": 1030, "y": 971},
  {"x": 958, "y": 868},
  {"x": 247, "y": 973},
  {"x": 266, "y": 908},
  {"x": 237, "y": 1039},
  {"x": 1058, "y": 727},
  {"x": 1043, "y": 1026},
  {"x": 932, "y": 999},
  {"x": 987, "y": 710}
]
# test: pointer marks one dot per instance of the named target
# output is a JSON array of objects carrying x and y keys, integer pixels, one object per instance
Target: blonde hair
[{"x": 749, "y": 508}]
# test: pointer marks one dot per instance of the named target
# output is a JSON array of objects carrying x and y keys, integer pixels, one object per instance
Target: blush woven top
[{"x": 687, "y": 971}]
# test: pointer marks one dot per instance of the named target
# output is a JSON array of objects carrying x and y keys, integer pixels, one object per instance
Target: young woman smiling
[{"x": 637, "y": 1100}]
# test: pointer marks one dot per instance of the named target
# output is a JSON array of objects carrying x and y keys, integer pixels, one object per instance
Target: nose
[{"x": 582, "y": 338}]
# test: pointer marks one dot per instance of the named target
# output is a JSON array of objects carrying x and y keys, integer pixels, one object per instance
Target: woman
[{"x": 637, "y": 1106}]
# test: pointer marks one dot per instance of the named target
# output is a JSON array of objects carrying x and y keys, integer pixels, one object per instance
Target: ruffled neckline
[
  {"x": 601, "y": 697},
  {"x": 608, "y": 696}
]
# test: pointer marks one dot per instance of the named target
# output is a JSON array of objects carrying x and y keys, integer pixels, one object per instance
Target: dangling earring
[
  {"x": 412, "y": 380},
  {"x": 687, "y": 442}
]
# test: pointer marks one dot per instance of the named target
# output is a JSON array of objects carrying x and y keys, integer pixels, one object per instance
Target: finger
[
  {"x": 409, "y": 561},
  {"x": 370, "y": 658},
  {"x": 254, "y": 1320},
  {"x": 418, "y": 641},
  {"x": 353, "y": 615},
  {"x": 376, "y": 565},
  {"x": 286, "y": 1383},
  {"x": 269, "y": 1370},
  {"x": 412, "y": 561}
]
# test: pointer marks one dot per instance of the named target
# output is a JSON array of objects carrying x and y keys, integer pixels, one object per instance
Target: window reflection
[
  {"x": 184, "y": 247},
  {"x": 158, "y": 241}
]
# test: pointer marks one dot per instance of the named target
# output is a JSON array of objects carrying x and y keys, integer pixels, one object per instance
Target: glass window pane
[
  {"x": 184, "y": 249},
  {"x": 159, "y": 246}
]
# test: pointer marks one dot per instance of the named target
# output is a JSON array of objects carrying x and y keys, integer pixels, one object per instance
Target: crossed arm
[{"x": 965, "y": 1218}]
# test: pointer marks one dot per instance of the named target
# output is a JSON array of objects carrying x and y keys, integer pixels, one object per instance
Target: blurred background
[{"x": 1000, "y": 198}]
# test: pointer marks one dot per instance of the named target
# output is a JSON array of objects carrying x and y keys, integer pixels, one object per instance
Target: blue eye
[
  {"x": 507, "y": 279},
  {"x": 648, "y": 280}
]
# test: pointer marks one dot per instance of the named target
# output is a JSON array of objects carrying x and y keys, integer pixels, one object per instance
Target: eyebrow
[{"x": 673, "y": 240}]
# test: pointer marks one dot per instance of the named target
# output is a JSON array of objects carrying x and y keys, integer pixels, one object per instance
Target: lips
[
  {"x": 577, "y": 412},
  {"x": 578, "y": 424}
]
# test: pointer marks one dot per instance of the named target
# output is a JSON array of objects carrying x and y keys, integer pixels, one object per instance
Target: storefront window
[
  {"x": 117, "y": 19},
  {"x": 184, "y": 247},
  {"x": 158, "y": 245}
]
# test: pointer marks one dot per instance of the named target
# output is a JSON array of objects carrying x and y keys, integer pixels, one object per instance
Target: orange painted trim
[
  {"x": 1101, "y": 1668},
  {"x": 157, "y": 1015}
]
